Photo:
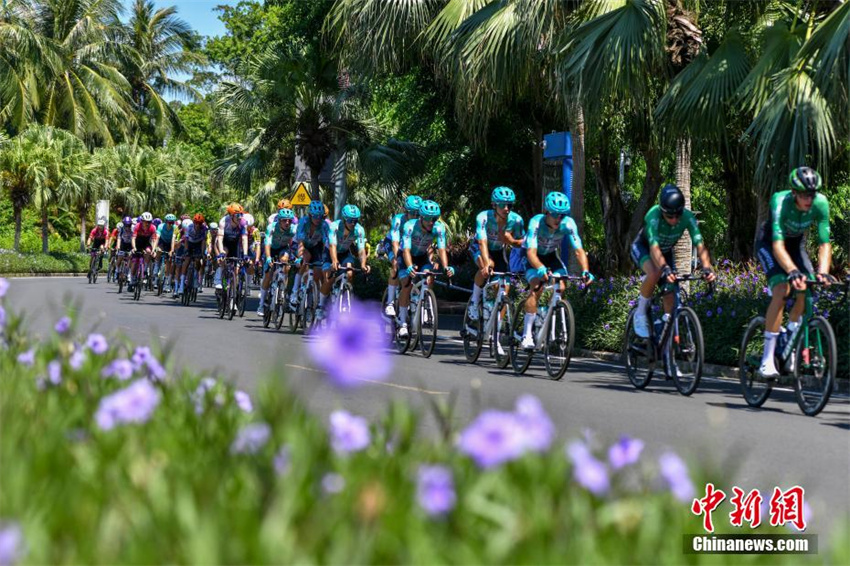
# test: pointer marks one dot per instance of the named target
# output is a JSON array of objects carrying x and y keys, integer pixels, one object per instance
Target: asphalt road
[{"x": 774, "y": 445}]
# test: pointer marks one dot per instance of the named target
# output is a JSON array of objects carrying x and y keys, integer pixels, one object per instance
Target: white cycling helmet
[
  {"x": 249, "y": 219},
  {"x": 101, "y": 222},
  {"x": 147, "y": 217},
  {"x": 186, "y": 223},
  {"x": 213, "y": 225}
]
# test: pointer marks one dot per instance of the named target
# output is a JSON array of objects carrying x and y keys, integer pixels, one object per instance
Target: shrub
[{"x": 54, "y": 262}]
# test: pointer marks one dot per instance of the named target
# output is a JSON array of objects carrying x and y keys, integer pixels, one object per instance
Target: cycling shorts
[
  {"x": 316, "y": 253},
  {"x": 233, "y": 247},
  {"x": 97, "y": 244},
  {"x": 276, "y": 255},
  {"x": 346, "y": 259},
  {"x": 164, "y": 245},
  {"x": 796, "y": 249},
  {"x": 496, "y": 256},
  {"x": 639, "y": 253},
  {"x": 195, "y": 249},
  {"x": 422, "y": 263},
  {"x": 143, "y": 243},
  {"x": 551, "y": 262},
  {"x": 126, "y": 246}
]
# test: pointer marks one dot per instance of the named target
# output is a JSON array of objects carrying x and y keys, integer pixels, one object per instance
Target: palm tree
[
  {"x": 21, "y": 54},
  {"x": 21, "y": 169},
  {"x": 163, "y": 44}
]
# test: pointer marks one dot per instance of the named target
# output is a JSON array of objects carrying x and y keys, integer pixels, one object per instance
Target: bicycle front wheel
[
  {"x": 242, "y": 295},
  {"x": 636, "y": 355},
  {"x": 688, "y": 351},
  {"x": 815, "y": 366},
  {"x": 427, "y": 324},
  {"x": 559, "y": 340},
  {"x": 756, "y": 389},
  {"x": 501, "y": 338},
  {"x": 520, "y": 358},
  {"x": 472, "y": 334}
]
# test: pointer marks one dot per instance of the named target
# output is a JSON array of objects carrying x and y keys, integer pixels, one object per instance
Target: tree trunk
[
  {"x": 683, "y": 248},
  {"x": 649, "y": 193},
  {"x": 17, "y": 213},
  {"x": 740, "y": 203},
  {"x": 614, "y": 217},
  {"x": 315, "y": 189},
  {"x": 340, "y": 183},
  {"x": 44, "y": 231},
  {"x": 579, "y": 172},
  {"x": 763, "y": 193},
  {"x": 537, "y": 165},
  {"x": 83, "y": 228}
]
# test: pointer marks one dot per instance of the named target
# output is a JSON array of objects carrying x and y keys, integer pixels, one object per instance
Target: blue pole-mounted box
[{"x": 558, "y": 145}]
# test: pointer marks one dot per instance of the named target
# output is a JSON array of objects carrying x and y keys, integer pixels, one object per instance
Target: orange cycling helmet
[
  {"x": 284, "y": 203},
  {"x": 235, "y": 208},
  {"x": 198, "y": 218}
]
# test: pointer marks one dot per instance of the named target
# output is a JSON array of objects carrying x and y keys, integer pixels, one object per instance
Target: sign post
[
  {"x": 102, "y": 212},
  {"x": 301, "y": 197},
  {"x": 559, "y": 146}
]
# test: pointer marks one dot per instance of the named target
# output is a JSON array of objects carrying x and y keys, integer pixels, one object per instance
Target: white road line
[{"x": 376, "y": 382}]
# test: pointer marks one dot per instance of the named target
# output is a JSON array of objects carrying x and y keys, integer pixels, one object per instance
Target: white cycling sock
[
  {"x": 217, "y": 276},
  {"x": 476, "y": 293},
  {"x": 391, "y": 292},
  {"x": 402, "y": 314},
  {"x": 643, "y": 304},
  {"x": 262, "y": 297},
  {"x": 769, "y": 346},
  {"x": 792, "y": 326},
  {"x": 529, "y": 323}
]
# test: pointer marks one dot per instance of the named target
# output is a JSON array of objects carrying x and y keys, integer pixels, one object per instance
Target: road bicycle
[
  {"x": 308, "y": 300},
  {"x": 139, "y": 278},
  {"x": 808, "y": 358},
  {"x": 339, "y": 300},
  {"x": 493, "y": 323},
  {"x": 160, "y": 276},
  {"x": 424, "y": 320},
  {"x": 94, "y": 264},
  {"x": 277, "y": 297},
  {"x": 209, "y": 272},
  {"x": 676, "y": 339},
  {"x": 123, "y": 270},
  {"x": 190, "y": 286},
  {"x": 554, "y": 332},
  {"x": 232, "y": 295}
]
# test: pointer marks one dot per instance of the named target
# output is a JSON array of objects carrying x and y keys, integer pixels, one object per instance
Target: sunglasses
[
  {"x": 557, "y": 215},
  {"x": 506, "y": 205},
  {"x": 806, "y": 196}
]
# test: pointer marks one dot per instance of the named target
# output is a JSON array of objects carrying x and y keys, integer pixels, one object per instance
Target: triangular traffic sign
[{"x": 301, "y": 196}]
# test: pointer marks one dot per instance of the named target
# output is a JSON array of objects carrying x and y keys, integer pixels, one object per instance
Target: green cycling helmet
[
  {"x": 557, "y": 203},
  {"x": 170, "y": 218},
  {"x": 805, "y": 180},
  {"x": 350, "y": 212},
  {"x": 503, "y": 195},
  {"x": 429, "y": 210},
  {"x": 412, "y": 203}
]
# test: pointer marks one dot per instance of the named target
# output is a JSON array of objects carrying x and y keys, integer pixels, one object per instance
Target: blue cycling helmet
[
  {"x": 503, "y": 195},
  {"x": 285, "y": 214},
  {"x": 350, "y": 212},
  {"x": 127, "y": 220},
  {"x": 557, "y": 203},
  {"x": 157, "y": 221},
  {"x": 412, "y": 203},
  {"x": 316, "y": 208},
  {"x": 170, "y": 218},
  {"x": 429, "y": 210}
]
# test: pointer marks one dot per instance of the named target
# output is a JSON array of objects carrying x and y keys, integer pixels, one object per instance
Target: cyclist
[
  {"x": 782, "y": 253},
  {"x": 144, "y": 239},
  {"x": 194, "y": 238},
  {"x": 494, "y": 229},
  {"x": 652, "y": 250},
  {"x": 279, "y": 245},
  {"x": 390, "y": 246},
  {"x": 97, "y": 240},
  {"x": 418, "y": 235},
  {"x": 283, "y": 203},
  {"x": 232, "y": 238},
  {"x": 545, "y": 233},
  {"x": 310, "y": 237},
  {"x": 125, "y": 240},
  {"x": 165, "y": 241},
  {"x": 341, "y": 235}
]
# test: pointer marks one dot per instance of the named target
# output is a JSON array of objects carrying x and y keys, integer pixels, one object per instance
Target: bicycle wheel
[
  {"x": 310, "y": 303},
  {"x": 137, "y": 288},
  {"x": 344, "y": 302},
  {"x": 221, "y": 298},
  {"x": 815, "y": 366},
  {"x": 755, "y": 388},
  {"x": 95, "y": 273},
  {"x": 280, "y": 304},
  {"x": 473, "y": 340},
  {"x": 559, "y": 337},
  {"x": 428, "y": 323},
  {"x": 520, "y": 358},
  {"x": 121, "y": 280},
  {"x": 242, "y": 295},
  {"x": 637, "y": 355},
  {"x": 688, "y": 351},
  {"x": 296, "y": 317},
  {"x": 232, "y": 290},
  {"x": 501, "y": 338}
]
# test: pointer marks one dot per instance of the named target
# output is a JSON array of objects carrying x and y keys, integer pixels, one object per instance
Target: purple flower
[
  {"x": 141, "y": 357},
  {"x": 625, "y": 452},
  {"x": 349, "y": 433},
  {"x": 4, "y": 286},
  {"x": 587, "y": 470},
  {"x": 533, "y": 420},
  {"x": 2, "y": 317},
  {"x": 826, "y": 314},
  {"x": 97, "y": 344},
  {"x": 732, "y": 314},
  {"x": 332, "y": 483},
  {"x": 610, "y": 301},
  {"x": 355, "y": 349},
  {"x": 120, "y": 368},
  {"x": 675, "y": 474},
  {"x": 708, "y": 313},
  {"x": 243, "y": 401},
  {"x": 77, "y": 359},
  {"x": 200, "y": 393},
  {"x": 251, "y": 438},
  {"x": 155, "y": 370},
  {"x": 435, "y": 490},
  {"x": 27, "y": 358},
  {"x": 493, "y": 438},
  {"x": 62, "y": 325},
  {"x": 282, "y": 461},
  {"x": 54, "y": 372},
  {"x": 12, "y": 545},
  {"x": 607, "y": 327},
  {"x": 632, "y": 303},
  {"x": 133, "y": 404},
  {"x": 719, "y": 311},
  {"x": 765, "y": 290}
]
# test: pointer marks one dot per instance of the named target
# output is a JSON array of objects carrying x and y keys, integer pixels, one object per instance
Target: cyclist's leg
[
  {"x": 480, "y": 279},
  {"x": 641, "y": 258},
  {"x": 777, "y": 281}
]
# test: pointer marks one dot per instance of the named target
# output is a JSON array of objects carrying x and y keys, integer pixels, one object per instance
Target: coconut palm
[
  {"x": 163, "y": 44},
  {"x": 21, "y": 169},
  {"x": 22, "y": 52}
]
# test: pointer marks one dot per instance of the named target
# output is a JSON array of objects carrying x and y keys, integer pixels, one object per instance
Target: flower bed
[{"x": 109, "y": 458}]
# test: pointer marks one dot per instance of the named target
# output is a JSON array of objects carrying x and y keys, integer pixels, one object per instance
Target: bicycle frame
[{"x": 553, "y": 300}]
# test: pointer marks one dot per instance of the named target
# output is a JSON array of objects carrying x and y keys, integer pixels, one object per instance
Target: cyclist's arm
[
  {"x": 361, "y": 246},
  {"x": 533, "y": 260},
  {"x": 704, "y": 256},
  {"x": 824, "y": 257},
  {"x": 332, "y": 253},
  {"x": 481, "y": 235},
  {"x": 657, "y": 256},
  {"x": 531, "y": 243},
  {"x": 581, "y": 256},
  {"x": 244, "y": 239},
  {"x": 514, "y": 237},
  {"x": 824, "y": 247}
]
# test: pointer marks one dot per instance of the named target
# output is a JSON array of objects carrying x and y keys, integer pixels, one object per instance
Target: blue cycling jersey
[
  {"x": 166, "y": 232},
  {"x": 310, "y": 235},
  {"x": 396, "y": 224},
  {"x": 542, "y": 238},
  {"x": 415, "y": 239},
  {"x": 487, "y": 228},
  {"x": 277, "y": 237},
  {"x": 336, "y": 236}
]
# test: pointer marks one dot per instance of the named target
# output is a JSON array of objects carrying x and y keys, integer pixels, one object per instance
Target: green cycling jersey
[
  {"x": 659, "y": 232},
  {"x": 787, "y": 221}
]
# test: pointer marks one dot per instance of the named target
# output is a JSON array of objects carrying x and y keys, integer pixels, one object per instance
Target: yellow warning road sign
[{"x": 301, "y": 196}]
